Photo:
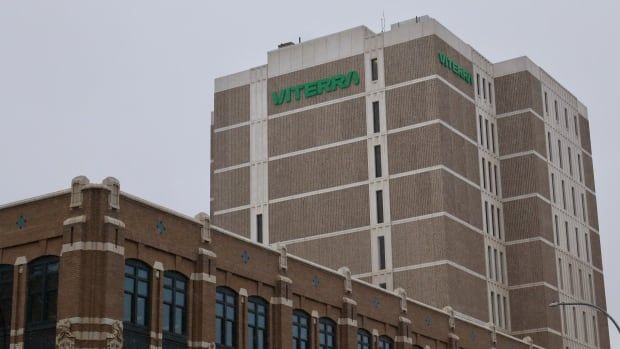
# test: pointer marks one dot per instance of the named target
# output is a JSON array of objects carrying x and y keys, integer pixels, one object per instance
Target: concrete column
[
  {"x": 18, "y": 308},
  {"x": 157, "y": 286},
  {"x": 202, "y": 334},
  {"x": 347, "y": 324},
  {"x": 282, "y": 311}
]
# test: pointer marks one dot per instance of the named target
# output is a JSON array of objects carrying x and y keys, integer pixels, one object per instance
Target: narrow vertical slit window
[
  {"x": 587, "y": 242},
  {"x": 581, "y": 283},
  {"x": 501, "y": 266},
  {"x": 490, "y": 177},
  {"x": 493, "y": 219},
  {"x": 595, "y": 331},
  {"x": 560, "y": 153},
  {"x": 563, "y": 195},
  {"x": 553, "y": 188},
  {"x": 484, "y": 88},
  {"x": 591, "y": 288},
  {"x": 378, "y": 173},
  {"x": 499, "y": 224},
  {"x": 579, "y": 168},
  {"x": 560, "y": 273},
  {"x": 557, "y": 115},
  {"x": 499, "y": 311},
  {"x": 550, "y": 147},
  {"x": 495, "y": 264},
  {"x": 493, "y": 307},
  {"x": 570, "y": 279},
  {"x": 486, "y": 216},
  {"x": 575, "y": 323},
  {"x": 490, "y": 93},
  {"x": 570, "y": 161},
  {"x": 374, "y": 69},
  {"x": 566, "y": 117},
  {"x": 583, "y": 207},
  {"x": 493, "y": 138},
  {"x": 546, "y": 104},
  {"x": 478, "y": 83},
  {"x": 572, "y": 193},
  {"x": 557, "y": 230},
  {"x": 481, "y": 130},
  {"x": 484, "y": 173},
  {"x": 585, "y": 328},
  {"x": 576, "y": 126},
  {"x": 486, "y": 131},
  {"x": 577, "y": 245},
  {"x": 490, "y": 258},
  {"x": 381, "y": 243},
  {"x": 259, "y": 228},
  {"x": 496, "y": 182},
  {"x": 567, "y": 237},
  {"x": 379, "y": 198},
  {"x": 376, "y": 123}
]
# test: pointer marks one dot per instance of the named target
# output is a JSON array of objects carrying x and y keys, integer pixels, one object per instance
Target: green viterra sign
[
  {"x": 315, "y": 88},
  {"x": 456, "y": 69}
]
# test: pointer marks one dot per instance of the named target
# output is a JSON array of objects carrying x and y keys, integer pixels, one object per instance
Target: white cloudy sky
[{"x": 124, "y": 87}]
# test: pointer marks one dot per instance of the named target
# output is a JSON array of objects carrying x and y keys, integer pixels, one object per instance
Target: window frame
[
  {"x": 324, "y": 324},
  {"x": 252, "y": 330},
  {"x": 361, "y": 335},
  {"x": 170, "y": 332},
  {"x": 226, "y": 293},
  {"x": 385, "y": 342},
  {"x": 296, "y": 326}
]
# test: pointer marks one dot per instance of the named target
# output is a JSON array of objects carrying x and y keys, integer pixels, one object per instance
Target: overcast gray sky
[{"x": 125, "y": 88}]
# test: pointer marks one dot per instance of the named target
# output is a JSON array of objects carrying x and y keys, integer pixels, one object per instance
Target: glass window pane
[
  {"x": 168, "y": 281},
  {"x": 141, "y": 311},
  {"x": 166, "y": 317},
  {"x": 51, "y": 303},
  {"x": 127, "y": 308},
  {"x": 178, "y": 321},
  {"x": 167, "y": 295},
  {"x": 129, "y": 284},
  {"x": 129, "y": 269},
  {"x": 180, "y": 299},
  {"x": 143, "y": 274},
  {"x": 142, "y": 288}
]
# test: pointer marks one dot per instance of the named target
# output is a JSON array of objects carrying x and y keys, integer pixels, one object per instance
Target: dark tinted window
[
  {"x": 225, "y": 318},
  {"x": 258, "y": 319},
  {"x": 363, "y": 339},
  {"x": 300, "y": 330},
  {"x": 327, "y": 334},
  {"x": 6, "y": 297}
]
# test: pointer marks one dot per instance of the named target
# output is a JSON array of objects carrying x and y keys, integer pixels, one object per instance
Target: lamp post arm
[{"x": 589, "y": 305}]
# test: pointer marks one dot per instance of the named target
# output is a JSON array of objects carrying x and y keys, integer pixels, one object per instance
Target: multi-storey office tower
[{"x": 410, "y": 158}]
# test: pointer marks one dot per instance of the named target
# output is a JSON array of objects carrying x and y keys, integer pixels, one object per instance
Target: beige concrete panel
[
  {"x": 528, "y": 218},
  {"x": 351, "y": 250},
  {"x": 318, "y": 126},
  {"x": 524, "y": 175},
  {"x": 231, "y": 188},
  {"x": 430, "y": 100},
  {"x": 231, "y": 106},
  {"x": 531, "y": 262},
  {"x": 521, "y": 132},
  {"x": 518, "y": 91},
  {"x": 430, "y": 146},
  {"x": 319, "y": 214},
  {"x": 437, "y": 239},
  {"x": 342, "y": 66},
  {"x": 320, "y": 169},
  {"x": 419, "y": 58},
  {"x": 231, "y": 147}
]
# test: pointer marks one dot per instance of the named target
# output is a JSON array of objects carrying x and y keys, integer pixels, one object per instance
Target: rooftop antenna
[{"x": 383, "y": 21}]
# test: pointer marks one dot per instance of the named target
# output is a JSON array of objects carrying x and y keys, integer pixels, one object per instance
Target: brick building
[
  {"x": 94, "y": 267},
  {"x": 467, "y": 183}
]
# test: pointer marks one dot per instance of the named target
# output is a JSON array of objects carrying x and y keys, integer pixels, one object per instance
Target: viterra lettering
[
  {"x": 315, "y": 88},
  {"x": 456, "y": 69}
]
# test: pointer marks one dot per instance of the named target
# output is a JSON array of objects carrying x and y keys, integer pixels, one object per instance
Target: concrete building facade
[
  {"x": 94, "y": 267},
  {"x": 411, "y": 159}
]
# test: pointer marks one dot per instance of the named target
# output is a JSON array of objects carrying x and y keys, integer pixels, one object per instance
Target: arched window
[
  {"x": 301, "y": 330},
  {"x": 385, "y": 343},
  {"x": 363, "y": 339},
  {"x": 174, "y": 309},
  {"x": 327, "y": 333},
  {"x": 226, "y": 318},
  {"x": 258, "y": 318},
  {"x": 6, "y": 297},
  {"x": 136, "y": 305},
  {"x": 42, "y": 303}
]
